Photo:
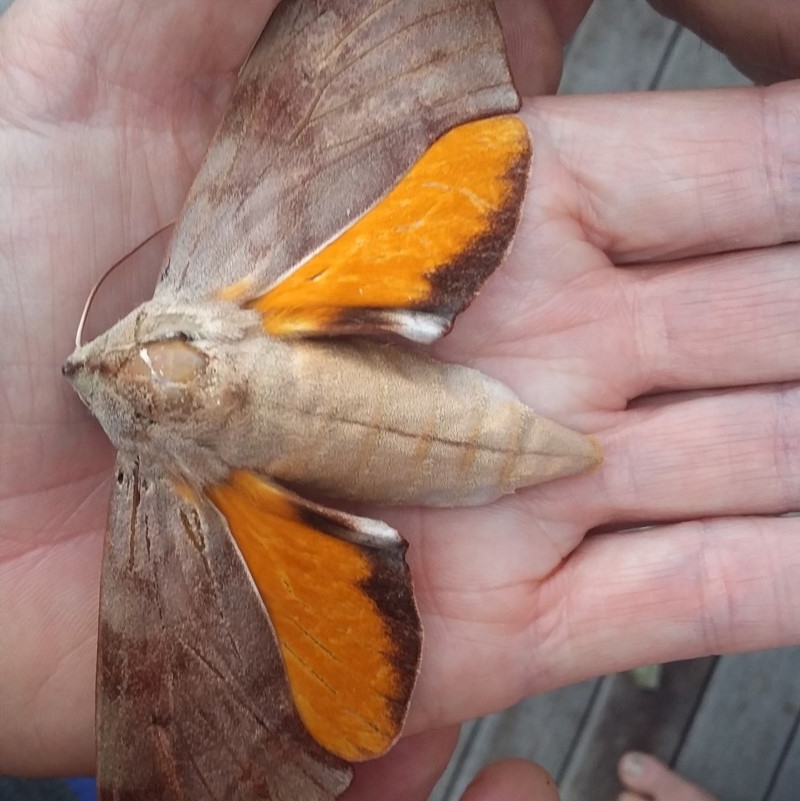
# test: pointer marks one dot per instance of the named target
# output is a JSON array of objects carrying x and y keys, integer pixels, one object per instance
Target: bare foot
[{"x": 645, "y": 777}]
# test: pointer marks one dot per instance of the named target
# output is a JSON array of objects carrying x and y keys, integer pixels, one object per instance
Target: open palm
[{"x": 650, "y": 262}]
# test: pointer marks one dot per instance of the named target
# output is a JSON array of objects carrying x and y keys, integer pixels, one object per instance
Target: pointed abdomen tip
[{"x": 597, "y": 456}]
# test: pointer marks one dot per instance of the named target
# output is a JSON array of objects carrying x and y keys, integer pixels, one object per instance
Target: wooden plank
[
  {"x": 542, "y": 728},
  {"x": 693, "y": 64},
  {"x": 747, "y": 716},
  {"x": 786, "y": 783},
  {"x": 619, "y": 47},
  {"x": 626, "y": 717}
]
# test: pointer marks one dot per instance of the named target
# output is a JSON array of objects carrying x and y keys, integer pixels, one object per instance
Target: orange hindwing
[
  {"x": 338, "y": 593},
  {"x": 416, "y": 259}
]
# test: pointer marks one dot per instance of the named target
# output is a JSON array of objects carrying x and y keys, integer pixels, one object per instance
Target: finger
[
  {"x": 671, "y": 592},
  {"x": 612, "y": 335},
  {"x": 512, "y": 780},
  {"x": 753, "y": 33},
  {"x": 758, "y": 74},
  {"x": 500, "y": 632},
  {"x": 717, "y": 454},
  {"x": 713, "y": 322},
  {"x": 533, "y": 44},
  {"x": 567, "y": 15},
  {"x": 408, "y": 772},
  {"x": 648, "y": 777},
  {"x": 655, "y": 176}
]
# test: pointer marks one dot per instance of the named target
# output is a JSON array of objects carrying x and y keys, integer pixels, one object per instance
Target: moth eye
[{"x": 171, "y": 362}]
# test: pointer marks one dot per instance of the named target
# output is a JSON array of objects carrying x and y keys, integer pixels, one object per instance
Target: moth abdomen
[
  {"x": 475, "y": 441},
  {"x": 389, "y": 425}
]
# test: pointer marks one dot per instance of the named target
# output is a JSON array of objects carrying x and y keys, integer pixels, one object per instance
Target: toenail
[{"x": 632, "y": 765}]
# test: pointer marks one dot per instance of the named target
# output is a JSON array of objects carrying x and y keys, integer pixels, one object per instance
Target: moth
[{"x": 365, "y": 181}]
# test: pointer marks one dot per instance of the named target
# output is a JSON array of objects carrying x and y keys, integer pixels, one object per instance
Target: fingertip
[
  {"x": 533, "y": 45},
  {"x": 649, "y": 777},
  {"x": 512, "y": 780}
]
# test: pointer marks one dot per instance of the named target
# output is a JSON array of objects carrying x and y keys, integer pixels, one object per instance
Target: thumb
[{"x": 512, "y": 780}]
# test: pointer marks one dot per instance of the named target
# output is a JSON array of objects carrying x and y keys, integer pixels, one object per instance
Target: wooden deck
[
  {"x": 624, "y": 46},
  {"x": 731, "y": 723}
]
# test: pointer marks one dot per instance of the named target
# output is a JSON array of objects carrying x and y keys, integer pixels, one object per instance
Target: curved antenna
[{"x": 99, "y": 283}]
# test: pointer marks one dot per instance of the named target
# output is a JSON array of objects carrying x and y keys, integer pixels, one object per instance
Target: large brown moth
[{"x": 363, "y": 184}]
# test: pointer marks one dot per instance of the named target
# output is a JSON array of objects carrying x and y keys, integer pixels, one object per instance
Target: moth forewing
[
  {"x": 336, "y": 103},
  {"x": 192, "y": 697}
]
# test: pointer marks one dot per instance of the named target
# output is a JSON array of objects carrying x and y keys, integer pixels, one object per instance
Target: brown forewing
[
  {"x": 337, "y": 101},
  {"x": 193, "y": 702}
]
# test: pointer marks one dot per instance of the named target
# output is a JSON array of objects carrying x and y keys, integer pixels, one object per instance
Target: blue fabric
[
  {"x": 13, "y": 789},
  {"x": 84, "y": 789}
]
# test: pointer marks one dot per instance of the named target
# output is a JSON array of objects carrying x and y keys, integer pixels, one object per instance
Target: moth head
[{"x": 154, "y": 368}]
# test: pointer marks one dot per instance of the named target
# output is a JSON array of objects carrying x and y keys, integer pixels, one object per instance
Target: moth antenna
[{"x": 99, "y": 283}]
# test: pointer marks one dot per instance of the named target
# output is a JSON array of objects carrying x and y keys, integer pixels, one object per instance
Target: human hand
[
  {"x": 98, "y": 154},
  {"x": 758, "y": 36}
]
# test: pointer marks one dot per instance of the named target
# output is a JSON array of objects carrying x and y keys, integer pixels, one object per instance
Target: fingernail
[{"x": 632, "y": 764}]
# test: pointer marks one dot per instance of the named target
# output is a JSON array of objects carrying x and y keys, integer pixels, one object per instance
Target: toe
[{"x": 645, "y": 776}]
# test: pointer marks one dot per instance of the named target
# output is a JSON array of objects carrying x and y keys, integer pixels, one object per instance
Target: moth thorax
[{"x": 170, "y": 365}]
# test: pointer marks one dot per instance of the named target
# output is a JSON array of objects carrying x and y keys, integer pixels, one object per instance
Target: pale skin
[
  {"x": 623, "y": 282},
  {"x": 646, "y": 778}
]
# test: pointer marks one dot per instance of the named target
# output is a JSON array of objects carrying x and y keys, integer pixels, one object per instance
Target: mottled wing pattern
[
  {"x": 338, "y": 100},
  {"x": 193, "y": 702}
]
